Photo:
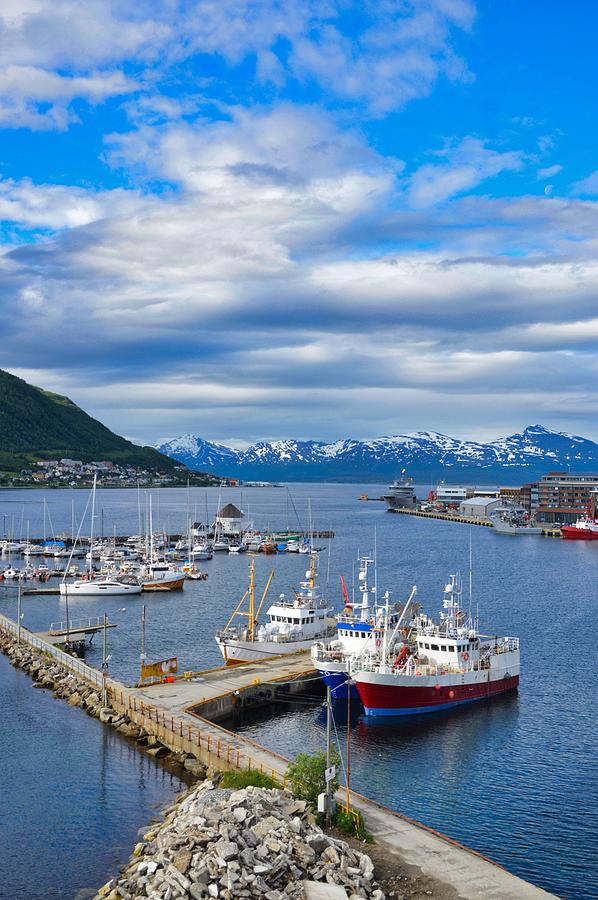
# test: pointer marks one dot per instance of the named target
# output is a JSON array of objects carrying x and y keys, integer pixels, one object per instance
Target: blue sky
[{"x": 257, "y": 220}]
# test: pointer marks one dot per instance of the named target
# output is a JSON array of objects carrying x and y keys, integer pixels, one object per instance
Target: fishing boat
[
  {"x": 445, "y": 665},
  {"x": 290, "y": 626},
  {"x": 359, "y": 629}
]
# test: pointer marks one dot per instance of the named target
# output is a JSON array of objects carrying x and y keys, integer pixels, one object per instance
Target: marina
[{"x": 432, "y": 756}]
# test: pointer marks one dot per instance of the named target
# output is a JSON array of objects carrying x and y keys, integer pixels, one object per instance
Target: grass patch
[
  {"x": 239, "y": 780},
  {"x": 352, "y": 823}
]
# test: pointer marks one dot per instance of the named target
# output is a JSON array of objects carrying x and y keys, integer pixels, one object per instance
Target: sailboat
[
  {"x": 159, "y": 576},
  {"x": 89, "y": 585}
]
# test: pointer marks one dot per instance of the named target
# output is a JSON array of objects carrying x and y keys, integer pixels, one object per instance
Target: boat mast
[
  {"x": 251, "y": 632},
  {"x": 93, "y": 510}
]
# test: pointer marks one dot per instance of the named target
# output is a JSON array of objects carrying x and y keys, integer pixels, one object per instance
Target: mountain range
[
  {"x": 36, "y": 424},
  {"x": 426, "y": 455}
]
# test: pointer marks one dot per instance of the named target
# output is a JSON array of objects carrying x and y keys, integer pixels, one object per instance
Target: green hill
[{"x": 35, "y": 424}]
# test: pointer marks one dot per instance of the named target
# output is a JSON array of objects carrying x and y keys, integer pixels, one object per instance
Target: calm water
[
  {"x": 74, "y": 795},
  {"x": 516, "y": 779}
]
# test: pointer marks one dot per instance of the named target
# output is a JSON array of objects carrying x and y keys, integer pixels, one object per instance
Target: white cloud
[
  {"x": 587, "y": 186},
  {"x": 59, "y": 206},
  {"x": 549, "y": 171},
  {"x": 61, "y": 50},
  {"x": 466, "y": 164},
  {"x": 38, "y": 99}
]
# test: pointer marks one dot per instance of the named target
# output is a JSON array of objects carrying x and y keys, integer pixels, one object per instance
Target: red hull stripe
[
  {"x": 395, "y": 700},
  {"x": 578, "y": 534}
]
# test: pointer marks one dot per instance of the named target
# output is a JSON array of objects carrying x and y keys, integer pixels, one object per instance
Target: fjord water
[
  {"x": 516, "y": 778},
  {"x": 74, "y": 795}
]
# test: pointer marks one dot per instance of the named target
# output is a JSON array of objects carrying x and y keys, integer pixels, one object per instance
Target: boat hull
[
  {"x": 387, "y": 699},
  {"x": 166, "y": 584},
  {"x": 340, "y": 688},
  {"x": 98, "y": 589},
  {"x": 235, "y": 651},
  {"x": 571, "y": 533}
]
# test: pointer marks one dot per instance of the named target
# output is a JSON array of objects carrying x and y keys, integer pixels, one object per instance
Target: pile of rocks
[{"x": 253, "y": 842}]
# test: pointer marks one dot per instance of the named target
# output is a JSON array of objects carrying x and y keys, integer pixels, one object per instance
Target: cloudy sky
[{"x": 253, "y": 219}]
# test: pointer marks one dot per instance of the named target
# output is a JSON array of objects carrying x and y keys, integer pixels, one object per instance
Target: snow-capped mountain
[{"x": 427, "y": 456}]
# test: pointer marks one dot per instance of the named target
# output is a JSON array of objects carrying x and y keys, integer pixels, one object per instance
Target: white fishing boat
[
  {"x": 290, "y": 626},
  {"x": 444, "y": 665},
  {"x": 159, "y": 575}
]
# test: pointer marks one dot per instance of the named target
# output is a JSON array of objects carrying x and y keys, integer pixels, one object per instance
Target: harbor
[
  {"x": 414, "y": 771},
  {"x": 169, "y": 720}
]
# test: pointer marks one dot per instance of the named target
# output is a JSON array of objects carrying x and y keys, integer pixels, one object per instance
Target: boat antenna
[
  {"x": 375, "y": 565},
  {"x": 470, "y": 571}
]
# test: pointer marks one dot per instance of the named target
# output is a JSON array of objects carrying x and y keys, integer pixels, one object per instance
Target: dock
[
  {"x": 547, "y": 530},
  {"x": 216, "y": 694},
  {"x": 169, "y": 712}
]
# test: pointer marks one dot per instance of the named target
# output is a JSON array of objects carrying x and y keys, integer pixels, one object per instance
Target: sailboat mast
[
  {"x": 151, "y": 531},
  {"x": 252, "y": 600},
  {"x": 93, "y": 511}
]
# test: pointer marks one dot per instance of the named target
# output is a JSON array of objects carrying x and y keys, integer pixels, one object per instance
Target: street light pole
[
  {"x": 19, "y": 613},
  {"x": 328, "y": 756}
]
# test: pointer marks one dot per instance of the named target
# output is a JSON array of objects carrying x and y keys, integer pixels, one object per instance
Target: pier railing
[
  {"x": 65, "y": 659},
  {"x": 209, "y": 738}
]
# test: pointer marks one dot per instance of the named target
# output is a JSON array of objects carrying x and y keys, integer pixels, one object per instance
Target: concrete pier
[{"x": 547, "y": 530}]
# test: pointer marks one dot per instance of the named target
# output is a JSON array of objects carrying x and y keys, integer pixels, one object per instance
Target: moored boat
[
  {"x": 359, "y": 629},
  {"x": 446, "y": 665},
  {"x": 584, "y": 529},
  {"x": 290, "y": 626}
]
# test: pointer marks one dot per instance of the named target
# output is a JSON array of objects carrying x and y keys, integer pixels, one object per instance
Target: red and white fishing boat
[
  {"x": 585, "y": 529},
  {"x": 443, "y": 665}
]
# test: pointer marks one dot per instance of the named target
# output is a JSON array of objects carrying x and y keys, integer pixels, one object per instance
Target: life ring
[
  {"x": 378, "y": 642},
  {"x": 465, "y": 655}
]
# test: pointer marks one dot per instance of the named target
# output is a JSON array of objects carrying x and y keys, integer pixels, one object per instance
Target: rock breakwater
[
  {"x": 254, "y": 842},
  {"x": 47, "y": 673}
]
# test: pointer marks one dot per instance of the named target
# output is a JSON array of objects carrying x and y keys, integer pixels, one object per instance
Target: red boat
[
  {"x": 443, "y": 666},
  {"x": 585, "y": 529}
]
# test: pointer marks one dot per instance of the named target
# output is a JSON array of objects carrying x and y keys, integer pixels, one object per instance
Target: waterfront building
[
  {"x": 229, "y": 520},
  {"x": 563, "y": 497},
  {"x": 479, "y": 507},
  {"x": 451, "y": 493}
]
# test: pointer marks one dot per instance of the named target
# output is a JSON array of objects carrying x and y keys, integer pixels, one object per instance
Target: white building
[
  {"x": 451, "y": 493},
  {"x": 479, "y": 507},
  {"x": 229, "y": 520}
]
